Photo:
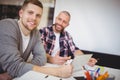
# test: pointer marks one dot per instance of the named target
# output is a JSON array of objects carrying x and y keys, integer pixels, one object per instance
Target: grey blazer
[{"x": 12, "y": 58}]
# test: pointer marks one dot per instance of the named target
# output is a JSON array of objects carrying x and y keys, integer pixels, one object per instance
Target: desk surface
[{"x": 32, "y": 75}]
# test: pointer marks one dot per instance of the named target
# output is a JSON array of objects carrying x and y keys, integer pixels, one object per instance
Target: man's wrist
[
  {"x": 55, "y": 71},
  {"x": 48, "y": 58}
]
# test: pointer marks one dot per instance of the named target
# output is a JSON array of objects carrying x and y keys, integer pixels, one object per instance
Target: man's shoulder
[
  {"x": 9, "y": 25},
  {"x": 8, "y": 20},
  {"x": 66, "y": 32}
]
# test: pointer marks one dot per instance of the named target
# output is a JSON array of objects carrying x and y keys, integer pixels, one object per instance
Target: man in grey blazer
[{"x": 18, "y": 38}]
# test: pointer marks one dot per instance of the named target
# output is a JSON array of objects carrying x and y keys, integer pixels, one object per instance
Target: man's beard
[
  {"x": 57, "y": 29},
  {"x": 26, "y": 26}
]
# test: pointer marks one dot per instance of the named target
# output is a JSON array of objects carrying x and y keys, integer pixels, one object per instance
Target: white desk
[
  {"x": 78, "y": 62},
  {"x": 31, "y": 75},
  {"x": 115, "y": 72}
]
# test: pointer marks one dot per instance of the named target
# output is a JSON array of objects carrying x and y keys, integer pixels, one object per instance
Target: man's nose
[
  {"x": 34, "y": 17},
  {"x": 61, "y": 22}
]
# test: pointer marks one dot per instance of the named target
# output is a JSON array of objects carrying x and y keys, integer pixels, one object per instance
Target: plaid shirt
[{"x": 67, "y": 46}]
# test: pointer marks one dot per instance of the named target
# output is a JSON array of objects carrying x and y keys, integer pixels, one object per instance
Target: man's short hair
[{"x": 35, "y": 2}]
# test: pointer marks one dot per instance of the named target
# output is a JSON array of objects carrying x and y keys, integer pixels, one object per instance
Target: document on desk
[
  {"x": 32, "y": 75},
  {"x": 80, "y": 60},
  {"x": 77, "y": 63}
]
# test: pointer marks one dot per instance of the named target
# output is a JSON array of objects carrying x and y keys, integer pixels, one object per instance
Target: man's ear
[{"x": 20, "y": 12}]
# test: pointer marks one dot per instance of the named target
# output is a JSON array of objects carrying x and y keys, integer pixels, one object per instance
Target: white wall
[{"x": 94, "y": 25}]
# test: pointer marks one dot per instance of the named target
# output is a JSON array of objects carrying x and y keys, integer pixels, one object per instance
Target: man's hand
[
  {"x": 58, "y": 59},
  {"x": 65, "y": 70},
  {"x": 92, "y": 62},
  {"x": 5, "y": 76}
]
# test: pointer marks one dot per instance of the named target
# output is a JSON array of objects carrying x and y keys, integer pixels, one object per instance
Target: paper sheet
[
  {"x": 32, "y": 75},
  {"x": 79, "y": 61}
]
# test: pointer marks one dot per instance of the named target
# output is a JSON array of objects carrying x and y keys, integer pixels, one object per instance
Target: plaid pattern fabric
[{"x": 67, "y": 46}]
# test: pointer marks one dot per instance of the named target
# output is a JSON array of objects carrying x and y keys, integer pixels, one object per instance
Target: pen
[
  {"x": 88, "y": 77},
  {"x": 103, "y": 77},
  {"x": 97, "y": 71},
  {"x": 84, "y": 68},
  {"x": 92, "y": 75},
  {"x": 69, "y": 61},
  {"x": 46, "y": 76}
]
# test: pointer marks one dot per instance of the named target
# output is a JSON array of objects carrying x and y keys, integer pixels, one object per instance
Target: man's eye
[
  {"x": 39, "y": 16},
  {"x": 65, "y": 22},
  {"x": 59, "y": 19},
  {"x": 30, "y": 12}
]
